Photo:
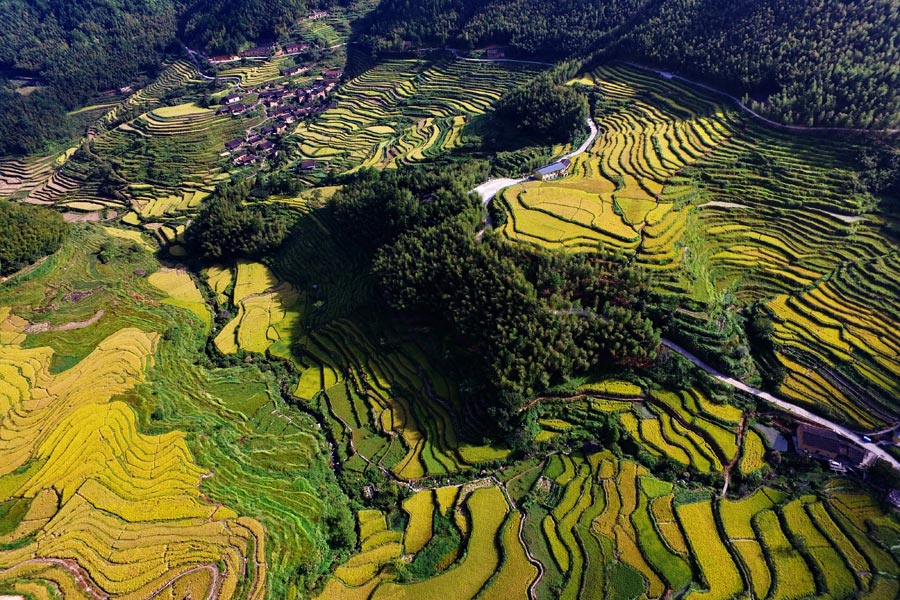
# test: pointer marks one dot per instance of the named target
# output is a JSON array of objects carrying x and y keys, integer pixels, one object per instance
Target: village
[{"x": 282, "y": 105}]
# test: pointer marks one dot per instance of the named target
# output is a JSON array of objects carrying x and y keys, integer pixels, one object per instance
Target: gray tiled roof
[{"x": 560, "y": 165}]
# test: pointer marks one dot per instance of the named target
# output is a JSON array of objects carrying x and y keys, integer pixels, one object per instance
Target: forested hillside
[
  {"x": 74, "y": 50},
  {"x": 225, "y": 25},
  {"x": 26, "y": 234},
  {"x": 807, "y": 62}
]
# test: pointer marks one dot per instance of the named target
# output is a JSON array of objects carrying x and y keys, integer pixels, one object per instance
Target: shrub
[{"x": 26, "y": 234}]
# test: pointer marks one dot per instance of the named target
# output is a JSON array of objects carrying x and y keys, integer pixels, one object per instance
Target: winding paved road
[
  {"x": 787, "y": 407},
  {"x": 489, "y": 188}
]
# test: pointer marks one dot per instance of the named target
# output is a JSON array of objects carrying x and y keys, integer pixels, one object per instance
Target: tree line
[
  {"x": 516, "y": 321},
  {"x": 803, "y": 62},
  {"x": 231, "y": 225},
  {"x": 28, "y": 233}
]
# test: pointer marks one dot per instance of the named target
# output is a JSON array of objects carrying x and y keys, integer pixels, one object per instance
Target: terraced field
[
  {"x": 713, "y": 204},
  {"x": 118, "y": 489},
  {"x": 174, "y": 76},
  {"x": 620, "y": 193},
  {"x": 267, "y": 310},
  {"x": 689, "y": 429},
  {"x": 482, "y": 520},
  {"x": 184, "y": 141},
  {"x": 388, "y": 407},
  {"x": 257, "y": 72},
  {"x": 134, "y": 467},
  {"x": 165, "y": 158},
  {"x": 843, "y": 330},
  {"x": 685, "y": 427},
  {"x": 605, "y": 528},
  {"x": 404, "y": 111}
]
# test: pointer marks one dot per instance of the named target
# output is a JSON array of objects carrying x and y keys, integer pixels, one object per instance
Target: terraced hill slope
[
  {"x": 406, "y": 111},
  {"x": 715, "y": 204},
  {"x": 132, "y": 471}
]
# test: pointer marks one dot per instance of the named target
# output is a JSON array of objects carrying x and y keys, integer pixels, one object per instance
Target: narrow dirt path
[
  {"x": 532, "y": 589},
  {"x": 726, "y": 470},
  {"x": 44, "y": 326}
]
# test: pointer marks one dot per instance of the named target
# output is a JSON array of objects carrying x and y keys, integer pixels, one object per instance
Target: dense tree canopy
[
  {"x": 226, "y": 25},
  {"x": 378, "y": 206},
  {"x": 76, "y": 48},
  {"x": 543, "y": 110},
  {"x": 809, "y": 62},
  {"x": 517, "y": 321},
  {"x": 521, "y": 322},
  {"x": 27, "y": 233},
  {"x": 229, "y": 228}
]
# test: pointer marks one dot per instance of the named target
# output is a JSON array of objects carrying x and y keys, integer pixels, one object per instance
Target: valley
[{"x": 319, "y": 323}]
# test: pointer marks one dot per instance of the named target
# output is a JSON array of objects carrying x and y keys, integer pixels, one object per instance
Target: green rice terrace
[
  {"x": 296, "y": 407},
  {"x": 405, "y": 111}
]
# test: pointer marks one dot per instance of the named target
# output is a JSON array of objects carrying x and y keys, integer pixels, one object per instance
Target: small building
[
  {"x": 837, "y": 466},
  {"x": 295, "y": 48},
  {"x": 229, "y": 100},
  {"x": 332, "y": 74},
  {"x": 223, "y": 58},
  {"x": 257, "y": 52},
  {"x": 826, "y": 444},
  {"x": 494, "y": 52},
  {"x": 316, "y": 15},
  {"x": 234, "y": 144},
  {"x": 244, "y": 159},
  {"x": 308, "y": 165},
  {"x": 556, "y": 169},
  {"x": 126, "y": 90},
  {"x": 237, "y": 109},
  {"x": 291, "y": 71},
  {"x": 266, "y": 146}
]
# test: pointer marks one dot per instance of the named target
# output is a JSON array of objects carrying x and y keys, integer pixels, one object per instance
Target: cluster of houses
[
  {"x": 268, "y": 50},
  {"x": 284, "y": 106},
  {"x": 261, "y": 51}
]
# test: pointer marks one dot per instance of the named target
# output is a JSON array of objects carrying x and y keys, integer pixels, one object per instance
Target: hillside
[
  {"x": 328, "y": 324},
  {"x": 807, "y": 62},
  {"x": 225, "y": 26},
  {"x": 60, "y": 54},
  {"x": 73, "y": 50}
]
